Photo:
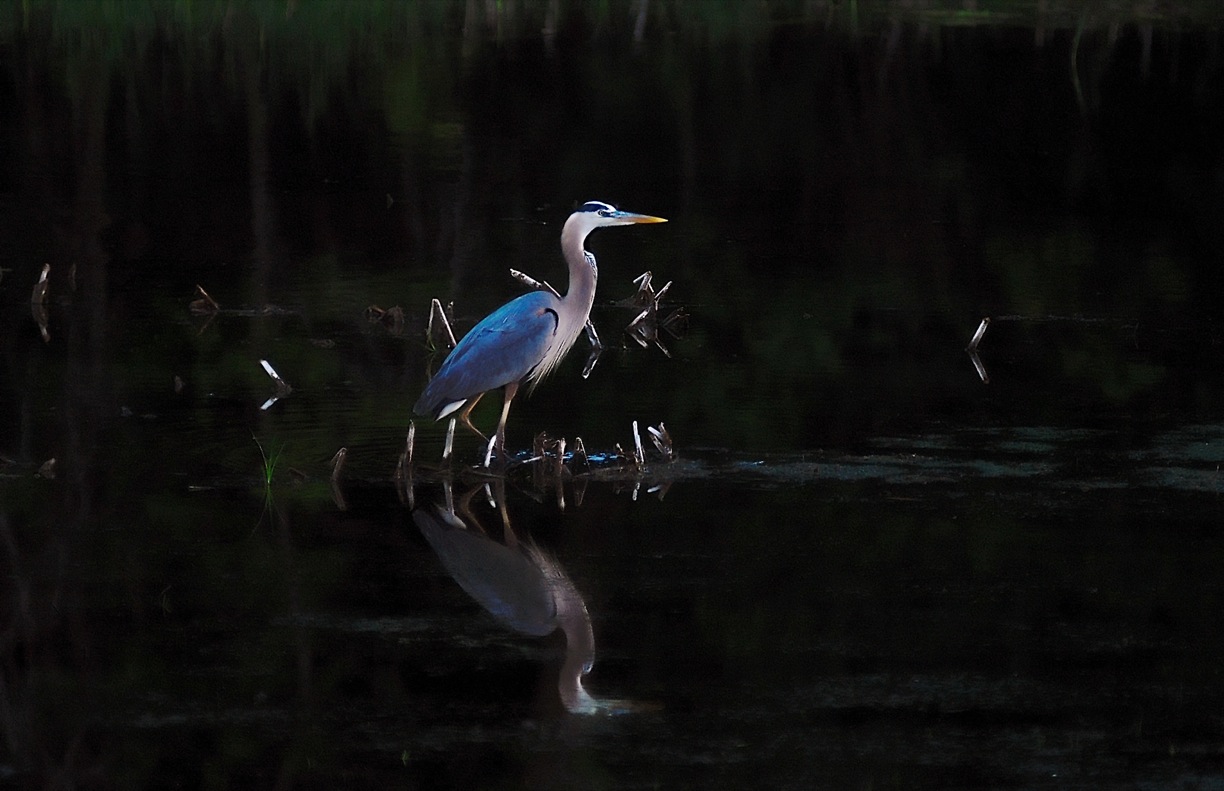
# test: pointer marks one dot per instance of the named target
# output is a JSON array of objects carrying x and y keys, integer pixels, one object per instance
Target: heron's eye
[{"x": 605, "y": 213}]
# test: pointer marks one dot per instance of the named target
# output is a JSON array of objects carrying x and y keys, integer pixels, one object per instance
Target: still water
[{"x": 875, "y": 560}]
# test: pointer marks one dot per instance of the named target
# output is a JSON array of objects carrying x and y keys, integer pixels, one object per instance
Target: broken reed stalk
[
  {"x": 448, "y": 495},
  {"x": 450, "y": 440},
  {"x": 580, "y": 452},
  {"x": 977, "y": 336},
  {"x": 662, "y": 440},
  {"x": 489, "y": 451},
  {"x": 436, "y": 309},
  {"x": 403, "y": 470},
  {"x": 203, "y": 304},
  {"x": 282, "y": 387},
  {"x": 544, "y": 285},
  {"x": 39, "y": 295},
  {"x": 531, "y": 282}
]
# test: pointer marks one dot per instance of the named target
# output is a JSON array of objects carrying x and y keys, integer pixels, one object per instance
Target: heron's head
[{"x": 597, "y": 214}]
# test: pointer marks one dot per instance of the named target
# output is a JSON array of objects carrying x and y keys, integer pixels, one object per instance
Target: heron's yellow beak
[{"x": 636, "y": 218}]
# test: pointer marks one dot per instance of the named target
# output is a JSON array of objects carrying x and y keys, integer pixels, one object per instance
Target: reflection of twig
[
  {"x": 592, "y": 358},
  {"x": 337, "y": 463},
  {"x": 38, "y": 303},
  {"x": 645, "y": 325},
  {"x": 39, "y": 294},
  {"x": 977, "y": 364},
  {"x": 1075, "y": 80},
  {"x": 403, "y": 469},
  {"x": 593, "y": 336},
  {"x": 408, "y": 443}
]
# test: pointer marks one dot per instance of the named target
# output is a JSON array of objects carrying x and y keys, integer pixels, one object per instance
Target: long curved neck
[
  {"x": 575, "y": 622},
  {"x": 582, "y": 272}
]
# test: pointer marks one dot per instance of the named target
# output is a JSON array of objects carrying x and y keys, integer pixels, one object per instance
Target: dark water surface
[{"x": 867, "y": 567}]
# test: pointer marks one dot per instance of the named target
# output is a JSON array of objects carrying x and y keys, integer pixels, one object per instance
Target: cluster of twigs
[
  {"x": 391, "y": 319},
  {"x": 646, "y": 325}
]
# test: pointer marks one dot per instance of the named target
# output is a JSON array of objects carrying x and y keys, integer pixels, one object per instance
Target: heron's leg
[
  {"x": 511, "y": 389},
  {"x": 465, "y": 417},
  {"x": 499, "y": 494}
]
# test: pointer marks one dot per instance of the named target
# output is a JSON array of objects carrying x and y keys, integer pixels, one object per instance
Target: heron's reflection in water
[{"x": 523, "y": 588}]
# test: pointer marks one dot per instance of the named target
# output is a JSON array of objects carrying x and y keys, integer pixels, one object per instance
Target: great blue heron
[
  {"x": 524, "y": 339},
  {"x": 522, "y": 587}
]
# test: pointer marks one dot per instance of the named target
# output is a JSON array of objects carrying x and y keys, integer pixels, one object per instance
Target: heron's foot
[{"x": 467, "y": 423}]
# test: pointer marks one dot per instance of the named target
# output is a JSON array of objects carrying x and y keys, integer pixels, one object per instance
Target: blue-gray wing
[
  {"x": 504, "y": 347},
  {"x": 505, "y": 581}
]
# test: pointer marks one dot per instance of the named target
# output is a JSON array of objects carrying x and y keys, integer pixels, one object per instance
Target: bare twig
[
  {"x": 39, "y": 295},
  {"x": 391, "y": 319},
  {"x": 580, "y": 453},
  {"x": 442, "y": 331},
  {"x": 203, "y": 304},
  {"x": 662, "y": 441},
  {"x": 282, "y": 387},
  {"x": 531, "y": 282},
  {"x": 977, "y": 336},
  {"x": 450, "y": 440}
]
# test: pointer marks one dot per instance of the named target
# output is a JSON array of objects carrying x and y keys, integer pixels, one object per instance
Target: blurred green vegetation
[{"x": 850, "y": 188}]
